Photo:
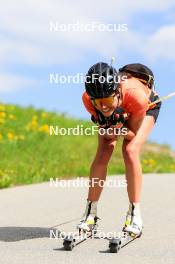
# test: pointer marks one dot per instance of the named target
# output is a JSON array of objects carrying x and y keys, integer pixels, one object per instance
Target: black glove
[
  {"x": 100, "y": 120},
  {"x": 116, "y": 119}
]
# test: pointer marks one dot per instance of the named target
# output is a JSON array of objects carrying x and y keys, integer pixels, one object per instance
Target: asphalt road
[{"x": 28, "y": 213}]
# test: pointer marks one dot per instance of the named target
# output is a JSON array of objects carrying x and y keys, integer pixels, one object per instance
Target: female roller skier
[{"x": 108, "y": 102}]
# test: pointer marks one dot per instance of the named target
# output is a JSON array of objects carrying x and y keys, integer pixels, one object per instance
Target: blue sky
[{"x": 30, "y": 51}]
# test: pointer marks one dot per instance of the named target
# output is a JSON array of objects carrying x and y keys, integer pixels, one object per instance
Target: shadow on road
[{"x": 13, "y": 233}]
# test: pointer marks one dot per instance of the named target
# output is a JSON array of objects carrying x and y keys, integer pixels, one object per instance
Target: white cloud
[
  {"x": 27, "y": 38},
  {"x": 14, "y": 83},
  {"x": 161, "y": 44}
]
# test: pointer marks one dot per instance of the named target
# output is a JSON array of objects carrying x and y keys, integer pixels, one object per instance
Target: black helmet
[{"x": 101, "y": 80}]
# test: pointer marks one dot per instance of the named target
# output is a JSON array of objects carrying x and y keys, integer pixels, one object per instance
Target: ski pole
[
  {"x": 113, "y": 59},
  {"x": 151, "y": 105},
  {"x": 163, "y": 98}
]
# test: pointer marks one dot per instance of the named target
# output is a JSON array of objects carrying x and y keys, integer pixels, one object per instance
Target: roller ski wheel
[
  {"x": 69, "y": 243},
  {"x": 115, "y": 244}
]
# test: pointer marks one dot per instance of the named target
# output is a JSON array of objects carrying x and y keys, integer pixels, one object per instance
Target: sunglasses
[{"x": 106, "y": 101}]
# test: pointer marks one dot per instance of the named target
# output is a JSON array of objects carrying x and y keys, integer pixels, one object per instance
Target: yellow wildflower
[
  {"x": 2, "y": 114},
  {"x": 35, "y": 117},
  {"x": 44, "y": 115},
  {"x": 2, "y": 107},
  {"x": 1, "y": 121},
  {"x": 152, "y": 162},
  {"x": 10, "y": 136},
  {"x": 34, "y": 123},
  {"x": 145, "y": 161},
  {"x": 11, "y": 117},
  {"x": 21, "y": 137},
  {"x": 44, "y": 128}
]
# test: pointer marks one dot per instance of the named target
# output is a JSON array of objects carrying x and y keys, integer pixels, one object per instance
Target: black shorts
[{"x": 154, "y": 111}]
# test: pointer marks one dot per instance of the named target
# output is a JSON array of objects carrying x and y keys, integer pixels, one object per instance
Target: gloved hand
[
  {"x": 117, "y": 119},
  {"x": 100, "y": 120}
]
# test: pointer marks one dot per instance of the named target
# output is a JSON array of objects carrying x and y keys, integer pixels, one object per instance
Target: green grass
[{"x": 29, "y": 154}]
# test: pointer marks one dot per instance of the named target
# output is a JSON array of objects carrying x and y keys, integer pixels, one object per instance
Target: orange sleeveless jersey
[{"x": 135, "y": 98}]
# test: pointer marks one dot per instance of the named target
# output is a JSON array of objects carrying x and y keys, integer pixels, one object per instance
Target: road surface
[{"x": 28, "y": 213}]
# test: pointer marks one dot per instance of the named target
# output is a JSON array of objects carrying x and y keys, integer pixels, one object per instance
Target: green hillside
[{"x": 29, "y": 154}]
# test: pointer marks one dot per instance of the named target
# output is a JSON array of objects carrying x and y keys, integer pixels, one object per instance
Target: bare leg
[
  {"x": 98, "y": 169},
  {"x": 131, "y": 151}
]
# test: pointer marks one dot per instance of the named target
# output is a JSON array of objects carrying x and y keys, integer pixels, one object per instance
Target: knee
[
  {"x": 104, "y": 155},
  {"x": 131, "y": 151},
  {"x": 108, "y": 147}
]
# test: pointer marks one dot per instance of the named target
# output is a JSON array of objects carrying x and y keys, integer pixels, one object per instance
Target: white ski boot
[
  {"x": 89, "y": 219},
  {"x": 133, "y": 224}
]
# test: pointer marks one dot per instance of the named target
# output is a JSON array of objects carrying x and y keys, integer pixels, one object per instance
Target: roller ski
[
  {"x": 87, "y": 228},
  {"x": 117, "y": 243},
  {"x": 132, "y": 229}
]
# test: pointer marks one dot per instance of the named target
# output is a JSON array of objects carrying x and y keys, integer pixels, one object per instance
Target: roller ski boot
[
  {"x": 132, "y": 229},
  {"x": 87, "y": 227}
]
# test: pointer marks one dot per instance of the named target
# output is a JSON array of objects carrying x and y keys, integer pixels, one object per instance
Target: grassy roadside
[{"x": 28, "y": 154}]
